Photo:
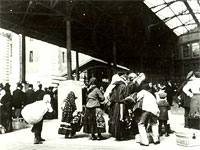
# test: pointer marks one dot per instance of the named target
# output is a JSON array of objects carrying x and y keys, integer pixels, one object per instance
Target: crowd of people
[
  {"x": 11, "y": 103},
  {"x": 134, "y": 106}
]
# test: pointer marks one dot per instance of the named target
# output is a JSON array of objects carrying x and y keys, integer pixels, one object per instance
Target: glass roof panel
[
  {"x": 177, "y": 15},
  {"x": 173, "y": 23},
  {"x": 180, "y": 30},
  {"x": 165, "y": 13},
  {"x": 177, "y": 7},
  {"x": 194, "y": 5},
  {"x": 158, "y": 8}
]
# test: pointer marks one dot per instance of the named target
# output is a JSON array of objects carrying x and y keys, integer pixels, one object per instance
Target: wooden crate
[{"x": 188, "y": 137}]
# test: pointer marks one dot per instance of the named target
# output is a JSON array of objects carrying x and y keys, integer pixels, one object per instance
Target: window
[
  {"x": 30, "y": 56},
  {"x": 186, "y": 51},
  {"x": 63, "y": 57},
  {"x": 187, "y": 68},
  {"x": 195, "y": 50}
]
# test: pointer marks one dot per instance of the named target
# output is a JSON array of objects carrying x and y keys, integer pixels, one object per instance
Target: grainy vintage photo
[{"x": 99, "y": 74}]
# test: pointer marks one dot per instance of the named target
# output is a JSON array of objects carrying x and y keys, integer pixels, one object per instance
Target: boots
[
  {"x": 37, "y": 138},
  {"x": 100, "y": 137},
  {"x": 37, "y": 141},
  {"x": 93, "y": 137},
  {"x": 40, "y": 138},
  {"x": 169, "y": 131}
]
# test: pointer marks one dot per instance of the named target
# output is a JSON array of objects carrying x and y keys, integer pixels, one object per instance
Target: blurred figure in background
[
  {"x": 19, "y": 100},
  {"x": 6, "y": 109},
  {"x": 40, "y": 93},
  {"x": 30, "y": 95}
]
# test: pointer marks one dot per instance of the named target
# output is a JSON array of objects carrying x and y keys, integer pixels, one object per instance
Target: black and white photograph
[{"x": 99, "y": 74}]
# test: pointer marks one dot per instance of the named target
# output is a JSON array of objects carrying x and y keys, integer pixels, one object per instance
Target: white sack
[{"x": 33, "y": 113}]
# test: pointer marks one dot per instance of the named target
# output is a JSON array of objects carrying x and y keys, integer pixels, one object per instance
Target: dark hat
[
  {"x": 30, "y": 85},
  {"x": 189, "y": 75},
  {"x": 1, "y": 85},
  {"x": 19, "y": 84},
  {"x": 7, "y": 85}
]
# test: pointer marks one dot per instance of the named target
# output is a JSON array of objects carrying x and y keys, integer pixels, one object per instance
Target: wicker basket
[{"x": 18, "y": 123}]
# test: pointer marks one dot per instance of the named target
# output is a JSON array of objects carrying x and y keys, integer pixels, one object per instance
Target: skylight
[{"x": 179, "y": 15}]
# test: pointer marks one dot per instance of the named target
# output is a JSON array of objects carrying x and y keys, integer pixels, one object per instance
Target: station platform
[{"x": 23, "y": 139}]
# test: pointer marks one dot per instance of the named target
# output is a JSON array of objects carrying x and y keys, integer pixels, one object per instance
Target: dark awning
[{"x": 95, "y": 25}]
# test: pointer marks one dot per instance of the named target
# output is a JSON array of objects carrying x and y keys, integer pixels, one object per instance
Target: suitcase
[
  {"x": 193, "y": 122},
  {"x": 188, "y": 137},
  {"x": 64, "y": 128}
]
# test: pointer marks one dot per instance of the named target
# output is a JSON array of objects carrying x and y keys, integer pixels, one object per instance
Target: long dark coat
[
  {"x": 116, "y": 127},
  {"x": 6, "y": 112}
]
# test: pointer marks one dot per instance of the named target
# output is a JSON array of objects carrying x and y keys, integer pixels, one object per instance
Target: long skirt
[
  {"x": 195, "y": 105},
  {"x": 90, "y": 123},
  {"x": 117, "y": 124}
]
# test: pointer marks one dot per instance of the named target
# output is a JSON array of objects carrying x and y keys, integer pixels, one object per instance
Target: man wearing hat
[
  {"x": 183, "y": 99},
  {"x": 30, "y": 95},
  {"x": 40, "y": 93},
  {"x": 19, "y": 99},
  {"x": 192, "y": 90}
]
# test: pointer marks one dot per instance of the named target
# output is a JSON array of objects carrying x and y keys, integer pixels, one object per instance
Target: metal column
[
  {"x": 68, "y": 46},
  {"x": 68, "y": 39},
  {"x": 23, "y": 73},
  {"x": 77, "y": 66}
]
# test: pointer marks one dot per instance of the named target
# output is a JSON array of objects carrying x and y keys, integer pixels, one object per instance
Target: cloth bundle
[{"x": 34, "y": 112}]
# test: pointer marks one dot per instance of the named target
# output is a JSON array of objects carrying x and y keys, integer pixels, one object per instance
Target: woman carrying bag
[{"x": 93, "y": 119}]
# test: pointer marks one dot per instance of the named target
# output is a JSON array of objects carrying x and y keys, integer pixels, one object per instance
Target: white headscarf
[
  {"x": 47, "y": 100},
  {"x": 108, "y": 91}
]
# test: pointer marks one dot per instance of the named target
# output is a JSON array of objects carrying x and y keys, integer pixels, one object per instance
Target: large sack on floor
[{"x": 33, "y": 113}]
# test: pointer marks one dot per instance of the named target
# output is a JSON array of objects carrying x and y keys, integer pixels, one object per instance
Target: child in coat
[{"x": 163, "y": 106}]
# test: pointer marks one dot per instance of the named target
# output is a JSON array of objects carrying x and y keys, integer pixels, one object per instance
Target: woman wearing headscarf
[
  {"x": 67, "y": 114},
  {"x": 118, "y": 110},
  {"x": 93, "y": 120}
]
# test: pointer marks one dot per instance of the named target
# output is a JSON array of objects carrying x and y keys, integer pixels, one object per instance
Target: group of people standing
[
  {"x": 131, "y": 105},
  {"x": 11, "y": 103}
]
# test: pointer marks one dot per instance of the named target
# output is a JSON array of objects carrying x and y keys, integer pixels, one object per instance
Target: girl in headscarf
[
  {"x": 93, "y": 120},
  {"x": 67, "y": 114}
]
